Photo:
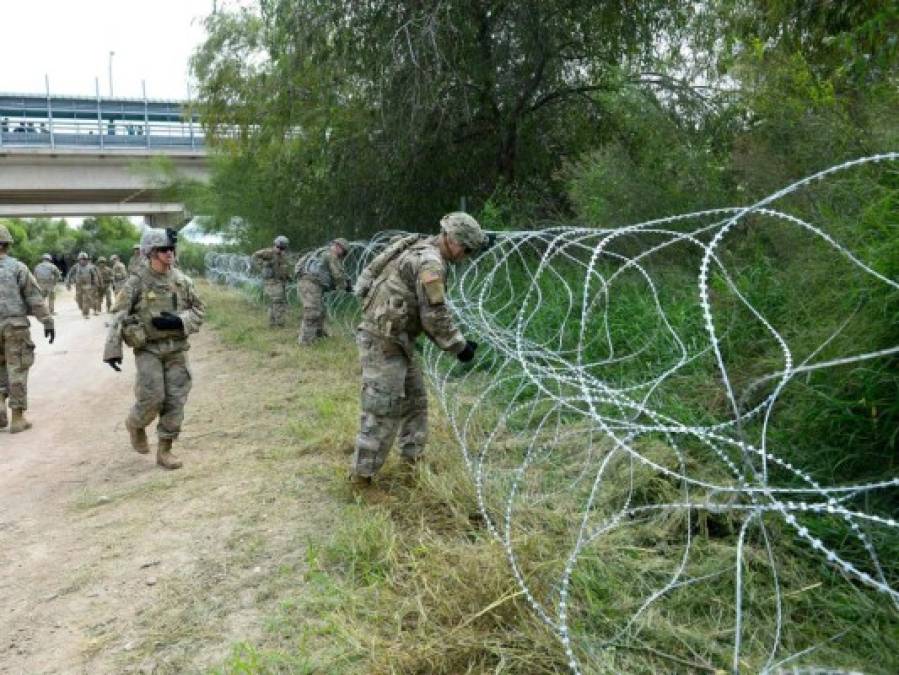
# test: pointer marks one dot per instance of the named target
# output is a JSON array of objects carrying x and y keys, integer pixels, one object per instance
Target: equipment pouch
[{"x": 134, "y": 334}]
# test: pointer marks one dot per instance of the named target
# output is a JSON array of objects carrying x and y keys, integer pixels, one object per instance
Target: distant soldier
[
  {"x": 48, "y": 275},
  {"x": 319, "y": 272},
  {"x": 119, "y": 274},
  {"x": 136, "y": 259},
  {"x": 275, "y": 277},
  {"x": 155, "y": 312},
  {"x": 87, "y": 284},
  {"x": 105, "y": 290},
  {"x": 20, "y": 296},
  {"x": 403, "y": 295}
]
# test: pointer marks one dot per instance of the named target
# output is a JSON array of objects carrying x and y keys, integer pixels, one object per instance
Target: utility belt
[{"x": 136, "y": 336}]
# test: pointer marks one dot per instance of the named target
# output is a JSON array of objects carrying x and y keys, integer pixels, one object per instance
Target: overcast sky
[{"x": 70, "y": 41}]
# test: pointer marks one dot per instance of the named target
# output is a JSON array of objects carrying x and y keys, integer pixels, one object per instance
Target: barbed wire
[{"x": 570, "y": 420}]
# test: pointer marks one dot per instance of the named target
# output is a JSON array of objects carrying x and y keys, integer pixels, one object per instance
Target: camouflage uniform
[
  {"x": 105, "y": 289},
  {"x": 402, "y": 300},
  {"x": 20, "y": 295},
  {"x": 48, "y": 275},
  {"x": 275, "y": 276},
  {"x": 119, "y": 275},
  {"x": 136, "y": 262},
  {"x": 87, "y": 283},
  {"x": 318, "y": 272},
  {"x": 163, "y": 374}
]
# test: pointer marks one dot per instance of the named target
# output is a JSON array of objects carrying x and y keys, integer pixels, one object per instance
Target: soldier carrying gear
[
  {"x": 48, "y": 275},
  {"x": 155, "y": 312},
  {"x": 275, "y": 277},
  {"x": 20, "y": 296},
  {"x": 86, "y": 278},
  {"x": 406, "y": 297},
  {"x": 119, "y": 274},
  {"x": 105, "y": 290},
  {"x": 317, "y": 273},
  {"x": 136, "y": 259}
]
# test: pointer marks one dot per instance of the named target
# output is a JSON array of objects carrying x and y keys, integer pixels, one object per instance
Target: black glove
[
  {"x": 172, "y": 234},
  {"x": 114, "y": 364},
  {"x": 491, "y": 240},
  {"x": 50, "y": 334},
  {"x": 167, "y": 321},
  {"x": 467, "y": 354},
  {"x": 349, "y": 286}
]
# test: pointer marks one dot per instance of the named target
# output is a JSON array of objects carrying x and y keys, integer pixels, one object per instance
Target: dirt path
[{"x": 109, "y": 564}]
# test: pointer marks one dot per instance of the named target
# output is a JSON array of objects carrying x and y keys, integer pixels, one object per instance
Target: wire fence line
[{"x": 572, "y": 431}]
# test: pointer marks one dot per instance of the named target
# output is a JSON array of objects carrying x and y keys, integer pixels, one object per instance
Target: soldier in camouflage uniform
[
  {"x": 119, "y": 274},
  {"x": 403, "y": 295},
  {"x": 48, "y": 275},
  {"x": 87, "y": 282},
  {"x": 136, "y": 259},
  {"x": 155, "y": 312},
  {"x": 20, "y": 296},
  {"x": 105, "y": 290},
  {"x": 275, "y": 277},
  {"x": 319, "y": 272}
]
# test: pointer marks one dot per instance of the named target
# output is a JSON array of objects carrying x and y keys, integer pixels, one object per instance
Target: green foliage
[{"x": 104, "y": 235}]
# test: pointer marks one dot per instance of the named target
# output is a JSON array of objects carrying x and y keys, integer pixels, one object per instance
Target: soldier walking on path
[
  {"x": 136, "y": 259},
  {"x": 275, "y": 277},
  {"x": 87, "y": 284},
  {"x": 105, "y": 290},
  {"x": 403, "y": 295},
  {"x": 20, "y": 296},
  {"x": 119, "y": 274},
  {"x": 48, "y": 275},
  {"x": 319, "y": 272},
  {"x": 155, "y": 312}
]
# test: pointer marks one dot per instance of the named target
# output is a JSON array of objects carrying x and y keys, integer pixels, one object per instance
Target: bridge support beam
[{"x": 144, "y": 209}]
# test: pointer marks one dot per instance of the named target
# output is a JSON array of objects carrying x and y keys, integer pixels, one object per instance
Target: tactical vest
[
  {"x": 105, "y": 274},
  {"x": 82, "y": 275},
  {"x": 276, "y": 268},
  {"x": 376, "y": 267},
  {"x": 12, "y": 304},
  {"x": 45, "y": 272},
  {"x": 391, "y": 306},
  {"x": 160, "y": 293},
  {"x": 314, "y": 265}
]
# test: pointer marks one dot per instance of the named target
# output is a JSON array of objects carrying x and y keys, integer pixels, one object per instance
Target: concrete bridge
[{"x": 82, "y": 156}]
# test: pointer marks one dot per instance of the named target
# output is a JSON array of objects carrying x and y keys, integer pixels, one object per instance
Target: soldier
[
  {"x": 319, "y": 272},
  {"x": 48, "y": 275},
  {"x": 87, "y": 282},
  {"x": 105, "y": 290},
  {"x": 402, "y": 294},
  {"x": 155, "y": 312},
  {"x": 20, "y": 296},
  {"x": 119, "y": 274},
  {"x": 136, "y": 259},
  {"x": 275, "y": 276}
]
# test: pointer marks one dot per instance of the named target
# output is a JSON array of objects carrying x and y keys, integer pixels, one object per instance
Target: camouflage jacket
[
  {"x": 323, "y": 267},
  {"x": 119, "y": 273},
  {"x": 105, "y": 275},
  {"x": 408, "y": 298},
  {"x": 20, "y": 295},
  {"x": 136, "y": 262},
  {"x": 275, "y": 264},
  {"x": 147, "y": 294},
  {"x": 85, "y": 276},
  {"x": 46, "y": 273}
]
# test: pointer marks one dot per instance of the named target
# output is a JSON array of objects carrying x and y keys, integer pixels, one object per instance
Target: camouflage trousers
[
  {"x": 16, "y": 357},
  {"x": 312, "y": 296},
  {"x": 394, "y": 401},
  {"x": 161, "y": 387},
  {"x": 86, "y": 298},
  {"x": 276, "y": 295},
  {"x": 49, "y": 293},
  {"x": 104, "y": 293}
]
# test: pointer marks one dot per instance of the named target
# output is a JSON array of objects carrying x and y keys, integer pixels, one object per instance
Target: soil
[{"x": 109, "y": 563}]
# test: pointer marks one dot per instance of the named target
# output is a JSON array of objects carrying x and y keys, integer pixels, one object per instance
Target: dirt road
[{"x": 108, "y": 563}]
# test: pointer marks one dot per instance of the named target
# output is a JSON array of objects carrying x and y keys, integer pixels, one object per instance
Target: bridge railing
[{"x": 99, "y": 134}]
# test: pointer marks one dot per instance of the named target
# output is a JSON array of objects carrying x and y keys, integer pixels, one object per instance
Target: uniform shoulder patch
[{"x": 432, "y": 282}]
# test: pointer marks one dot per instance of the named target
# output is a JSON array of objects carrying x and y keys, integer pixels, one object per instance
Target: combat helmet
[
  {"x": 47, "y": 257},
  {"x": 83, "y": 256},
  {"x": 342, "y": 243},
  {"x": 114, "y": 258},
  {"x": 281, "y": 241},
  {"x": 101, "y": 259},
  {"x": 464, "y": 229},
  {"x": 154, "y": 238},
  {"x": 5, "y": 236}
]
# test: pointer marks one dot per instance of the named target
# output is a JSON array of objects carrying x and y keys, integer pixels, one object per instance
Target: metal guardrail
[{"x": 100, "y": 134}]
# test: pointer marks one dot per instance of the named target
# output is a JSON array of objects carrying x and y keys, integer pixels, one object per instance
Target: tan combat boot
[
  {"x": 18, "y": 423},
  {"x": 164, "y": 456},
  {"x": 138, "y": 438},
  {"x": 3, "y": 419}
]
